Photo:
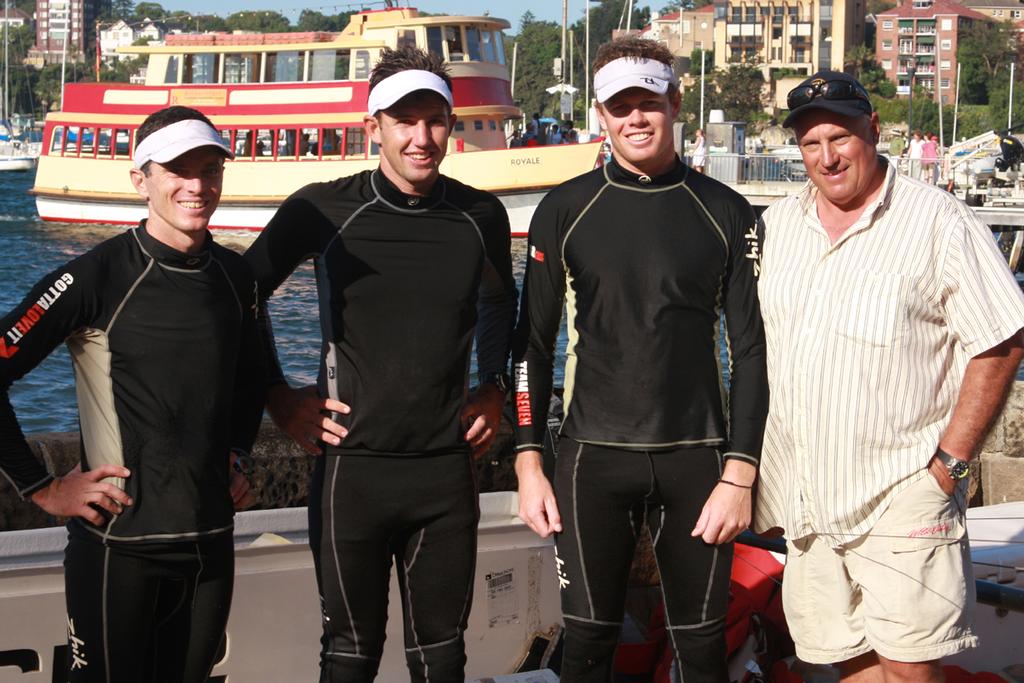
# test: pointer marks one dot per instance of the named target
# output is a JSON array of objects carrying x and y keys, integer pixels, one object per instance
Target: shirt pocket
[{"x": 874, "y": 310}]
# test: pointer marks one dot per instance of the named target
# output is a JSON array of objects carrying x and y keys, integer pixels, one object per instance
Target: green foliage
[
  {"x": 260, "y": 21},
  {"x": 709, "y": 61},
  {"x": 877, "y": 6},
  {"x": 974, "y": 119},
  {"x": 539, "y": 44},
  {"x": 310, "y": 20},
  {"x": 149, "y": 10},
  {"x": 738, "y": 90},
  {"x": 999, "y": 99},
  {"x": 985, "y": 50}
]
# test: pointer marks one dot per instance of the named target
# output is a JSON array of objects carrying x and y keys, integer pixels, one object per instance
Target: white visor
[
  {"x": 630, "y": 72},
  {"x": 393, "y": 88},
  {"x": 170, "y": 142}
]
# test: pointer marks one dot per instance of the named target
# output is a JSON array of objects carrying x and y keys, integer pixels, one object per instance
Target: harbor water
[{"x": 30, "y": 248}]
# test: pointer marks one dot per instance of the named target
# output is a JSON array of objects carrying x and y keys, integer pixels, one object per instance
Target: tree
[
  {"x": 985, "y": 49},
  {"x": 879, "y": 6},
  {"x": 310, "y": 20},
  {"x": 149, "y": 10},
  {"x": 741, "y": 92},
  {"x": 260, "y": 21},
  {"x": 539, "y": 44}
]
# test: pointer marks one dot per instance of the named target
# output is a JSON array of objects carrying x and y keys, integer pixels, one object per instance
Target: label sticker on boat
[{"x": 502, "y": 598}]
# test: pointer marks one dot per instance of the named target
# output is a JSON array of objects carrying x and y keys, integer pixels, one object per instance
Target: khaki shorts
[{"x": 904, "y": 590}]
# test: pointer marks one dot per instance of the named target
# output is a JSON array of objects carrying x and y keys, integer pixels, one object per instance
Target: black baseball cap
[{"x": 832, "y": 91}]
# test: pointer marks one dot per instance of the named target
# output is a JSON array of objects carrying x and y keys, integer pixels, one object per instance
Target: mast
[{"x": 6, "y": 101}]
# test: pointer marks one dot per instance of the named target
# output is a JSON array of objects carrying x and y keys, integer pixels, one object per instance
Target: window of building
[
  {"x": 750, "y": 15},
  {"x": 799, "y": 55},
  {"x": 886, "y": 64},
  {"x": 284, "y": 67},
  {"x": 241, "y": 68},
  {"x": 329, "y": 65},
  {"x": 947, "y": 24},
  {"x": 887, "y": 25},
  {"x": 945, "y": 83},
  {"x": 997, "y": 13},
  {"x": 1016, "y": 14},
  {"x": 946, "y": 44},
  {"x": 886, "y": 44},
  {"x": 776, "y": 32},
  {"x": 200, "y": 68},
  {"x": 945, "y": 65}
]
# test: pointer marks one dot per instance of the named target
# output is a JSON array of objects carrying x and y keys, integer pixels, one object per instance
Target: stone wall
[{"x": 1001, "y": 465}]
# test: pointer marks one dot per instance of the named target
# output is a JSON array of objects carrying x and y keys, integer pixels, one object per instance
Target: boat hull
[{"x": 17, "y": 163}]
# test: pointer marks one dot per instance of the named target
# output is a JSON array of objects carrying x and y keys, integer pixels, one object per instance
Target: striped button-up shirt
[{"x": 868, "y": 340}]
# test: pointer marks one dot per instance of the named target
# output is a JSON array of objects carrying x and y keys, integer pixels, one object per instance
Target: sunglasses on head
[{"x": 830, "y": 90}]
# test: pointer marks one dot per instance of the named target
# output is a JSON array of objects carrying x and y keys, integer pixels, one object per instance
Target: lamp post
[{"x": 911, "y": 70}]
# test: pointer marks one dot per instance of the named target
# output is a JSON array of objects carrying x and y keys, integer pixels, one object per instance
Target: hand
[
  {"x": 300, "y": 413},
  {"x": 727, "y": 511},
  {"x": 938, "y": 470},
  {"x": 537, "y": 506},
  {"x": 74, "y": 494},
  {"x": 482, "y": 415},
  {"x": 242, "y": 495}
]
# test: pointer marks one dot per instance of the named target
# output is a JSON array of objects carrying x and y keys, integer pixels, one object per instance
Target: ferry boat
[{"x": 291, "y": 106}]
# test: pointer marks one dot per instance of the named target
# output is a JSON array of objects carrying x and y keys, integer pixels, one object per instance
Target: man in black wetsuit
[
  {"x": 160, "y": 323},
  {"x": 409, "y": 263},
  {"x": 646, "y": 255}
]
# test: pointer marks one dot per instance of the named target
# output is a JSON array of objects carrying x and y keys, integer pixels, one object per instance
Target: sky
[{"x": 548, "y": 10}]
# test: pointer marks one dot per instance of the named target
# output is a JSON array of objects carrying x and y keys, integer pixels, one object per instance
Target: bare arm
[
  {"x": 987, "y": 382},
  {"x": 537, "y": 505}
]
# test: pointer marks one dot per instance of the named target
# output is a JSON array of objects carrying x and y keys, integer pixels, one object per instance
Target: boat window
[
  {"x": 284, "y": 66},
  {"x": 200, "y": 68},
  {"x": 355, "y": 142},
  {"x": 435, "y": 43},
  {"x": 362, "y": 68},
  {"x": 486, "y": 38},
  {"x": 332, "y": 142},
  {"x": 453, "y": 37},
  {"x": 57, "y": 142},
  {"x": 241, "y": 68},
  {"x": 171, "y": 75},
  {"x": 492, "y": 125},
  {"x": 374, "y": 148},
  {"x": 243, "y": 144},
  {"x": 406, "y": 38},
  {"x": 71, "y": 142},
  {"x": 473, "y": 43},
  {"x": 460, "y": 126},
  {"x": 309, "y": 143},
  {"x": 103, "y": 144},
  {"x": 264, "y": 144},
  {"x": 88, "y": 145},
  {"x": 478, "y": 124},
  {"x": 286, "y": 144},
  {"x": 122, "y": 143},
  {"x": 499, "y": 46},
  {"x": 225, "y": 135},
  {"x": 329, "y": 65}
]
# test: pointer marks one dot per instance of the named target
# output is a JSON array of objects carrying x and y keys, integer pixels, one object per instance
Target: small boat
[{"x": 291, "y": 105}]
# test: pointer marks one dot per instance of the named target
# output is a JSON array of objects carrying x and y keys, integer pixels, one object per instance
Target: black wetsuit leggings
[
  {"x": 421, "y": 511},
  {"x": 147, "y": 614},
  {"x": 604, "y": 496}
]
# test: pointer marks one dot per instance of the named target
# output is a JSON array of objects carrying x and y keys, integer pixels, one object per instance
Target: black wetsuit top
[
  {"x": 645, "y": 267},
  {"x": 169, "y": 377},
  {"x": 403, "y": 282}
]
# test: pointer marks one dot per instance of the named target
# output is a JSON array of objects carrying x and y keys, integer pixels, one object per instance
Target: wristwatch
[
  {"x": 498, "y": 379},
  {"x": 957, "y": 468}
]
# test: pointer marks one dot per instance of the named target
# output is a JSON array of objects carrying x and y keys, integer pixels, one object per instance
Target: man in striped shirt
[{"x": 893, "y": 331}]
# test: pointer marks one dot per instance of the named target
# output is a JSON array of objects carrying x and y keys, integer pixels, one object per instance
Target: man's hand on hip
[
  {"x": 481, "y": 417},
  {"x": 79, "y": 494},
  {"x": 304, "y": 416}
]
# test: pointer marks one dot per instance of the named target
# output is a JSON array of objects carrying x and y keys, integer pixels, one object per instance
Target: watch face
[{"x": 959, "y": 470}]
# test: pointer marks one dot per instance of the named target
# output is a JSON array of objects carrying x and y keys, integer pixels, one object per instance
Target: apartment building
[
  {"x": 922, "y": 34},
  {"x": 1000, "y": 10},
  {"x": 58, "y": 21},
  {"x": 683, "y": 31},
  {"x": 800, "y": 35}
]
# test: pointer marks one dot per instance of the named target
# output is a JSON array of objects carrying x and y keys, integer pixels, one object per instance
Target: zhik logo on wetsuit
[
  {"x": 753, "y": 249},
  {"x": 523, "y": 413},
  {"x": 563, "y": 580},
  {"x": 78, "y": 660},
  {"x": 34, "y": 314}
]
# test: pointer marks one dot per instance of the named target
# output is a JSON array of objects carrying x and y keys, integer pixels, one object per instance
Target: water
[{"x": 29, "y": 249}]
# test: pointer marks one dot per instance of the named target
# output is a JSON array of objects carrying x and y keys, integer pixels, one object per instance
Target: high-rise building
[
  {"x": 797, "y": 35},
  {"x": 60, "y": 20},
  {"x": 922, "y": 34}
]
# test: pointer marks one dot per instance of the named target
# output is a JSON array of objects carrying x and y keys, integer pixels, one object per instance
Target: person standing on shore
[
  {"x": 894, "y": 334},
  {"x": 699, "y": 153},
  {"x": 160, "y": 323},
  {"x": 410, "y": 264},
  {"x": 645, "y": 255}
]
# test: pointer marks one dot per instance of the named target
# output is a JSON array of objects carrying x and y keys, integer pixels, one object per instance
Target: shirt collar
[
  {"x": 387, "y": 191},
  {"x": 615, "y": 173},
  {"x": 169, "y": 256},
  {"x": 809, "y": 209}
]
